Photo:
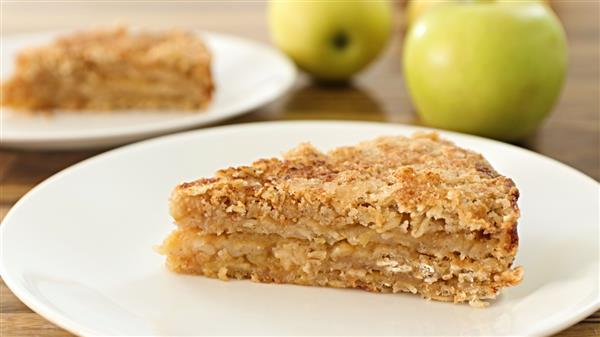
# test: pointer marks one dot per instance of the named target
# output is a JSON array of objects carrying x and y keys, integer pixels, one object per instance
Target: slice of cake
[
  {"x": 112, "y": 69},
  {"x": 395, "y": 214}
]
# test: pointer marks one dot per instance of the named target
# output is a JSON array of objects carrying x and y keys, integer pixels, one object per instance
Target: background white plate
[
  {"x": 247, "y": 75},
  {"x": 78, "y": 247}
]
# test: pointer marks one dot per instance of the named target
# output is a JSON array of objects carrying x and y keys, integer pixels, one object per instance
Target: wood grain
[{"x": 570, "y": 134}]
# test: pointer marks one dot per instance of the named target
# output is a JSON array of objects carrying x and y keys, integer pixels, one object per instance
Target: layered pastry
[
  {"x": 112, "y": 69},
  {"x": 394, "y": 214}
]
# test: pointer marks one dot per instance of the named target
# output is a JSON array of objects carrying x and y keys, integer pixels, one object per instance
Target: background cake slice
[
  {"x": 395, "y": 214},
  {"x": 112, "y": 69}
]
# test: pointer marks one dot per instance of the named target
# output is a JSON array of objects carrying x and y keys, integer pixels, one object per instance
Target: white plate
[
  {"x": 247, "y": 75},
  {"x": 78, "y": 248}
]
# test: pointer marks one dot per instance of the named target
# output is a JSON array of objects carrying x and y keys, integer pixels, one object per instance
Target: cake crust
[{"x": 420, "y": 175}]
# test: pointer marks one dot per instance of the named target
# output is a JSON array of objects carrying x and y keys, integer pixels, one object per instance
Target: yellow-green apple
[
  {"x": 332, "y": 40},
  {"x": 492, "y": 68},
  {"x": 416, "y": 8}
]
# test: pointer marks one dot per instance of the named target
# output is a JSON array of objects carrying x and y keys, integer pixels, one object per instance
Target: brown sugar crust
[{"x": 423, "y": 177}]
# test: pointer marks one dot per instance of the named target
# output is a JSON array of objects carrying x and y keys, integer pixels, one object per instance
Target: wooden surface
[{"x": 570, "y": 135}]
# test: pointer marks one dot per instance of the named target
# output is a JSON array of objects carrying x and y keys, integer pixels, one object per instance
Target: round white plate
[
  {"x": 78, "y": 248},
  {"x": 247, "y": 74}
]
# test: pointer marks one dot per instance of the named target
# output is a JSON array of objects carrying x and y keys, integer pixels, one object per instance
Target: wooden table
[{"x": 570, "y": 135}]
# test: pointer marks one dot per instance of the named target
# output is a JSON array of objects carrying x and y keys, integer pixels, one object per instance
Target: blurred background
[{"x": 378, "y": 93}]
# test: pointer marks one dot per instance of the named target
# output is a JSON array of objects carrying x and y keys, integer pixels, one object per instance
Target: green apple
[
  {"x": 332, "y": 40},
  {"x": 416, "y": 8},
  {"x": 492, "y": 68}
]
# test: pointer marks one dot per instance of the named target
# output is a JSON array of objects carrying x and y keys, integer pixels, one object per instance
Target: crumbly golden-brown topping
[
  {"x": 423, "y": 176},
  {"x": 149, "y": 49}
]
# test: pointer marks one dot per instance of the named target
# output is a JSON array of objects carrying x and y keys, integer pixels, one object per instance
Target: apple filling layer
[
  {"x": 375, "y": 267},
  {"x": 433, "y": 240}
]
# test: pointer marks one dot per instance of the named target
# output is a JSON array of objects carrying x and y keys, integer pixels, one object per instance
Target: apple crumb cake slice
[
  {"x": 395, "y": 214},
  {"x": 112, "y": 69}
]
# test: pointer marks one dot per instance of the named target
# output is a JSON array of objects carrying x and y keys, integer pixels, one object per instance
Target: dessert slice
[
  {"x": 395, "y": 214},
  {"x": 111, "y": 70}
]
